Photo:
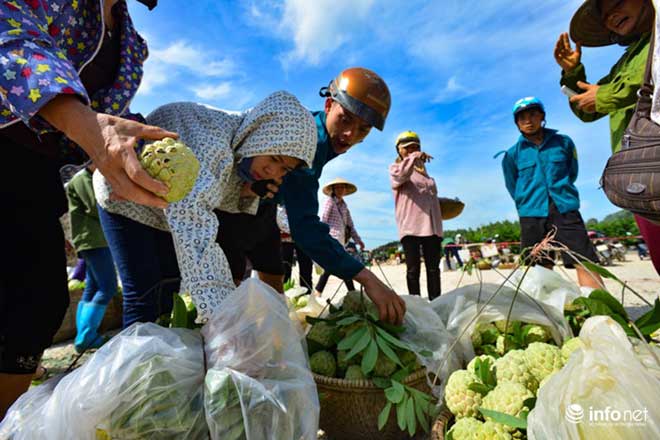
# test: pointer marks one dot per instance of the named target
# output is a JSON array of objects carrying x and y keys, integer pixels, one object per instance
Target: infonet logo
[{"x": 608, "y": 416}]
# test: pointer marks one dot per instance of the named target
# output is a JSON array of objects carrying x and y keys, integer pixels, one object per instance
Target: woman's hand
[
  {"x": 567, "y": 58},
  {"x": 110, "y": 142},
  {"x": 586, "y": 101}
]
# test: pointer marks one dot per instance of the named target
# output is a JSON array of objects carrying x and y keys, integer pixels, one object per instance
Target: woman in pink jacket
[{"x": 417, "y": 213}]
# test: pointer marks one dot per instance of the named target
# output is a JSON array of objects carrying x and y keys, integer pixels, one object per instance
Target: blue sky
[{"x": 454, "y": 69}]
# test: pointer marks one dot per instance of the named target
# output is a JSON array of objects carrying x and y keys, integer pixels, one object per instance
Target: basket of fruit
[{"x": 371, "y": 384}]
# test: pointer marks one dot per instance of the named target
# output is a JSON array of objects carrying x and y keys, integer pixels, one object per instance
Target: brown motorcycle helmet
[{"x": 361, "y": 92}]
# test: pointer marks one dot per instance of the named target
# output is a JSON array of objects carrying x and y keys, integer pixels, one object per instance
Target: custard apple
[
  {"x": 354, "y": 372},
  {"x": 492, "y": 431},
  {"x": 507, "y": 398},
  {"x": 460, "y": 399},
  {"x": 476, "y": 340},
  {"x": 512, "y": 367},
  {"x": 323, "y": 363},
  {"x": 173, "y": 163},
  {"x": 488, "y": 332},
  {"x": 322, "y": 333},
  {"x": 569, "y": 347},
  {"x": 536, "y": 333},
  {"x": 342, "y": 363},
  {"x": 357, "y": 302},
  {"x": 407, "y": 358},
  {"x": 483, "y": 357},
  {"x": 505, "y": 343},
  {"x": 543, "y": 359},
  {"x": 501, "y": 324},
  {"x": 465, "y": 428},
  {"x": 385, "y": 367}
]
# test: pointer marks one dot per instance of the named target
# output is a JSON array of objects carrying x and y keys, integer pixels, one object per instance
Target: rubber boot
[
  {"x": 90, "y": 319},
  {"x": 81, "y": 304}
]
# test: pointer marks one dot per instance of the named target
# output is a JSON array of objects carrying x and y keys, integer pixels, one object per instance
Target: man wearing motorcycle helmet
[
  {"x": 540, "y": 170},
  {"x": 355, "y": 101}
]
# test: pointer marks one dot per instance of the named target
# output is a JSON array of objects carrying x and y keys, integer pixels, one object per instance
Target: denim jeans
[
  {"x": 147, "y": 267},
  {"x": 100, "y": 276}
]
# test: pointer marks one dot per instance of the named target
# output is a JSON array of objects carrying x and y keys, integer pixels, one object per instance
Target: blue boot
[{"x": 91, "y": 315}]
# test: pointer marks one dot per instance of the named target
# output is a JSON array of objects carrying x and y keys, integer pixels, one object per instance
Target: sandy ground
[{"x": 639, "y": 275}]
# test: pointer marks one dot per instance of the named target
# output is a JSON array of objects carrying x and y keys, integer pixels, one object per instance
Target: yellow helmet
[{"x": 407, "y": 137}]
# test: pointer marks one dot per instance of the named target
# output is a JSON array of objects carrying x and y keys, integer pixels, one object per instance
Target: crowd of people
[{"x": 60, "y": 96}]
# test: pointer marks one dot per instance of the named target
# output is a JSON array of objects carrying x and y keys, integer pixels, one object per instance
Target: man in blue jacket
[
  {"x": 540, "y": 171},
  {"x": 357, "y": 100}
]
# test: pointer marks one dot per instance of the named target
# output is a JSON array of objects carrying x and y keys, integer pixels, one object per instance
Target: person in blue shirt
[
  {"x": 355, "y": 101},
  {"x": 540, "y": 171}
]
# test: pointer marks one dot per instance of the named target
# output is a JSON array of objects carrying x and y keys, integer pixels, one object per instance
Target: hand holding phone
[{"x": 260, "y": 188}]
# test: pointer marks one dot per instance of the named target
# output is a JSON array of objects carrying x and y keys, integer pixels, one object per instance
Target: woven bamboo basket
[
  {"x": 350, "y": 408},
  {"x": 443, "y": 420},
  {"x": 450, "y": 208},
  {"x": 111, "y": 320}
]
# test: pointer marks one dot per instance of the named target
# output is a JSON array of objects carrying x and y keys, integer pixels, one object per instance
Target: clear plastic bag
[
  {"x": 146, "y": 383},
  {"x": 604, "y": 391},
  {"x": 462, "y": 309},
  {"x": 547, "y": 286},
  {"x": 258, "y": 385},
  {"x": 429, "y": 339}
]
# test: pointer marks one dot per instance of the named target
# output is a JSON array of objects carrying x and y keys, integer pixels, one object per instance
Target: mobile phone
[
  {"x": 568, "y": 91},
  {"x": 260, "y": 187}
]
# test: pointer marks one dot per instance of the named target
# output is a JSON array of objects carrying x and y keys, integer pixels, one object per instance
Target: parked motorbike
[
  {"x": 604, "y": 254},
  {"x": 618, "y": 251}
]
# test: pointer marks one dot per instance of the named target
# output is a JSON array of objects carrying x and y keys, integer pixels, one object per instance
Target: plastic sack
[
  {"x": 145, "y": 383},
  {"x": 425, "y": 332},
  {"x": 547, "y": 286},
  {"x": 258, "y": 385},
  {"x": 461, "y": 310},
  {"x": 603, "y": 392}
]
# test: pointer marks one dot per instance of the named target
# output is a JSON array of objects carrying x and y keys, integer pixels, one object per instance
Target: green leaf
[
  {"x": 504, "y": 419},
  {"x": 349, "y": 320},
  {"x": 350, "y": 340},
  {"x": 420, "y": 411},
  {"x": 411, "y": 420},
  {"x": 384, "y": 415},
  {"x": 373, "y": 314},
  {"x": 360, "y": 345},
  {"x": 624, "y": 325},
  {"x": 179, "y": 313},
  {"x": 649, "y": 321},
  {"x": 611, "y": 302},
  {"x": 426, "y": 353},
  {"x": 401, "y": 413},
  {"x": 391, "y": 339},
  {"x": 401, "y": 374},
  {"x": 395, "y": 393},
  {"x": 594, "y": 306},
  {"x": 370, "y": 357},
  {"x": 480, "y": 388},
  {"x": 391, "y": 328},
  {"x": 387, "y": 351},
  {"x": 600, "y": 270},
  {"x": 381, "y": 382}
]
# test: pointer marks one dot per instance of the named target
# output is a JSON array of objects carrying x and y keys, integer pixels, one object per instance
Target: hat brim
[
  {"x": 327, "y": 189},
  {"x": 450, "y": 208},
  {"x": 587, "y": 28}
]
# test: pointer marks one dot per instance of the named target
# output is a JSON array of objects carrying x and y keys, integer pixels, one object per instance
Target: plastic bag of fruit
[
  {"x": 605, "y": 391},
  {"x": 477, "y": 314},
  {"x": 145, "y": 383},
  {"x": 547, "y": 286},
  {"x": 258, "y": 384}
]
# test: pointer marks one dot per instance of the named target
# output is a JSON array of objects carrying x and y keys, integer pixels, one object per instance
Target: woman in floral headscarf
[{"x": 267, "y": 142}]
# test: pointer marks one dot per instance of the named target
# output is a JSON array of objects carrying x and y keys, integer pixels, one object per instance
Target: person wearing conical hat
[
  {"x": 338, "y": 217},
  {"x": 601, "y": 23},
  {"x": 417, "y": 211}
]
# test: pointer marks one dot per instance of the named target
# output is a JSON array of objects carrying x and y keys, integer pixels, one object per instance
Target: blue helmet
[{"x": 527, "y": 103}]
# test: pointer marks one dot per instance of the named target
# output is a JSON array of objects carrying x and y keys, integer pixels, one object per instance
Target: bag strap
[{"x": 646, "y": 90}]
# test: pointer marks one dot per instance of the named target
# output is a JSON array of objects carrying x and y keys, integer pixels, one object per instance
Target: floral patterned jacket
[{"x": 45, "y": 44}]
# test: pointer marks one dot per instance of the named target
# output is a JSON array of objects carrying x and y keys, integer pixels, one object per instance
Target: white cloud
[
  {"x": 454, "y": 91},
  {"x": 195, "y": 59},
  {"x": 215, "y": 91}
]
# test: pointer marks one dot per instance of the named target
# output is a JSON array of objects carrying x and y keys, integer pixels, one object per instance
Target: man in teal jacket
[
  {"x": 357, "y": 100},
  {"x": 540, "y": 171}
]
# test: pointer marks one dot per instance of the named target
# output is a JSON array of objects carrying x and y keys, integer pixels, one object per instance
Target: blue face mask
[{"x": 244, "y": 170}]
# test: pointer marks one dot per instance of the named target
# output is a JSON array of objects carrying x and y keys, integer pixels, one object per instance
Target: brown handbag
[{"x": 631, "y": 179}]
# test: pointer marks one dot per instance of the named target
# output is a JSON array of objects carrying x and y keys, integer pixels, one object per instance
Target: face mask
[{"x": 244, "y": 170}]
